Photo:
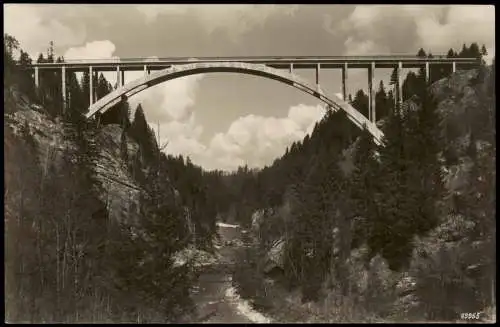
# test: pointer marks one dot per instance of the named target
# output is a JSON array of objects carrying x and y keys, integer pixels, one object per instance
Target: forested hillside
[
  {"x": 336, "y": 207},
  {"x": 94, "y": 211}
]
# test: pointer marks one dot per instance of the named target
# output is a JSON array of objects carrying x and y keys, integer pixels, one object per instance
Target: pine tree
[
  {"x": 10, "y": 44},
  {"x": 421, "y": 53},
  {"x": 410, "y": 86},
  {"x": 364, "y": 186},
  {"x": 144, "y": 135},
  {"x": 464, "y": 53},
  {"x": 26, "y": 82},
  {"x": 360, "y": 102},
  {"x": 85, "y": 82},
  {"x": 484, "y": 53},
  {"x": 394, "y": 77},
  {"x": 75, "y": 100},
  {"x": 391, "y": 232},
  {"x": 145, "y": 262},
  {"x": 474, "y": 51},
  {"x": 423, "y": 147},
  {"x": 381, "y": 105}
]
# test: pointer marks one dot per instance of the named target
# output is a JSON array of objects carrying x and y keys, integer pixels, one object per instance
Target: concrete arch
[{"x": 177, "y": 71}]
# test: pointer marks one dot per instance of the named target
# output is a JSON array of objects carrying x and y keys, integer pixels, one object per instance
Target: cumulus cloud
[
  {"x": 35, "y": 26},
  {"x": 404, "y": 28},
  {"x": 256, "y": 140},
  {"x": 250, "y": 140},
  {"x": 234, "y": 19},
  {"x": 92, "y": 50},
  {"x": 171, "y": 100}
]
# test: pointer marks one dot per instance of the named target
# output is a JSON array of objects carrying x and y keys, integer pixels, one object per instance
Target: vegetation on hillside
[
  {"x": 391, "y": 197},
  {"x": 67, "y": 260}
]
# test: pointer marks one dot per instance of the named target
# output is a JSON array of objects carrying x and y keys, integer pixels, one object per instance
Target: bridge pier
[
  {"x": 63, "y": 88},
  {"x": 291, "y": 68},
  {"x": 371, "y": 93},
  {"x": 427, "y": 73},
  {"x": 37, "y": 77},
  {"x": 118, "y": 77},
  {"x": 318, "y": 68},
  {"x": 454, "y": 66},
  {"x": 91, "y": 85},
  {"x": 344, "y": 81},
  {"x": 123, "y": 77},
  {"x": 145, "y": 70},
  {"x": 400, "y": 83},
  {"x": 96, "y": 78}
]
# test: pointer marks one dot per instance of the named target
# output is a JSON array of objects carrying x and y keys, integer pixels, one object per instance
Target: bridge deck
[{"x": 325, "y": 62}]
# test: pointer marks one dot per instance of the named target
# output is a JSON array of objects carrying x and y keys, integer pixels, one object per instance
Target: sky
[{"x": 226, "y": 120}]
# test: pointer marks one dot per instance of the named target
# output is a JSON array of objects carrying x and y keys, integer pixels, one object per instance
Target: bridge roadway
[
  {"x": 255, "y": 65},
  {"x": 296, "y": 62}
]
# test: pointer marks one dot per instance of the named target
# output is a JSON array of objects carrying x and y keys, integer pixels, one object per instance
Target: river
[{"x": 215, "y": 298}]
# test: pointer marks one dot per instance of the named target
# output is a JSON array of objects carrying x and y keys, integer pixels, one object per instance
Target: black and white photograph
[{"x": 249, "y": 163}]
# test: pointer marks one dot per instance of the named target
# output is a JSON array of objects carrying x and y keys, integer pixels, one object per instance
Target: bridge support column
[
  {"x": 400, "y": 83},
  {"x": 427, "y": 73},
  {"x": 123, "y": 78},
  {"x": 454, "y": 66},
  {"x": 91, "y": 85},
  {"x": 118, "y": 77},
  {"x": 63, "y": 88},
  {"x": 146, "y": 71},
  {"x": 318, "y": 68},
  {"x": 291, "y": 68},
  {"x": 371, "y": 93},
  {"x": 344, "y": 81},
  {"x": 37, "y": 77}
]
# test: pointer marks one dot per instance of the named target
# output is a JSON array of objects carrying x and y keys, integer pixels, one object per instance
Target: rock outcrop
[{"x": 120, "y": 191}]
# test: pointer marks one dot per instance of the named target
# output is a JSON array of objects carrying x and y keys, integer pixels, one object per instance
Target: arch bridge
[{"x": 278, "y": 68}]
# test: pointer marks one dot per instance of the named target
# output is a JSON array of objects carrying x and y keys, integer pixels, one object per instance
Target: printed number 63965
[{"x": 470, "y": 315}]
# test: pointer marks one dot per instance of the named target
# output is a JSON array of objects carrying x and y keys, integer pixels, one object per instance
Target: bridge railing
[{"x": 394, "y": 57}]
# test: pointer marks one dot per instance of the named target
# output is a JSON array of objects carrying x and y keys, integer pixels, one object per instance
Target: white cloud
[
  {"x": 250, "y": 140},
  {"x": 34, "y": 27},
  {"x": 171, "y": 100},
  {"x": 340, "y": 96},
  {"x": 464, "y": 24},
  {"x": 373, "y": 29},
  {"x": 151, "y": 12},
  {"x": 92, "y": 50},
  {"x": 257, "y": 141},
  {"x": 364, "y": 47},
  {"x": 95, "y": 50},
  {"x": 234, "y": 19}
]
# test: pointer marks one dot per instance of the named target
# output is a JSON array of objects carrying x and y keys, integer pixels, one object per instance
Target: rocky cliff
[{"x": 120, "y": 191}]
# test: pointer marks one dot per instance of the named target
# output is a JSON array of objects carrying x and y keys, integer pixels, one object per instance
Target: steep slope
[
  {"x": 461, "y": 247},
  {"x": 120, "y": 189},
  {"x": 72, "y": 225}
]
